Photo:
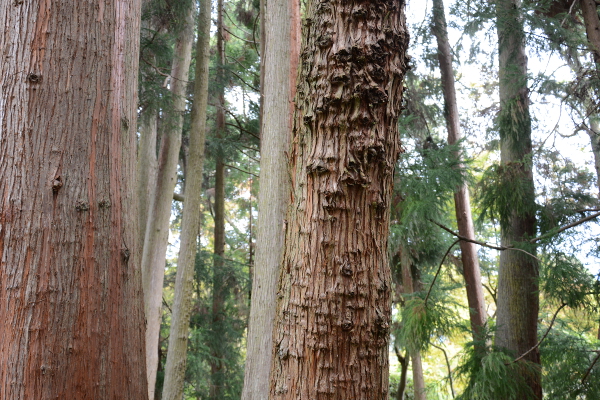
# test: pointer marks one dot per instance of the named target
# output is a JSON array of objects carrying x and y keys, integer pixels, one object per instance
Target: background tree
[
  {"x": 70, "y": 283},
  {"x": 279, "y": 63}
]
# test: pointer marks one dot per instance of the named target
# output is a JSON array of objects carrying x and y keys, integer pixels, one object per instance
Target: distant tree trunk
[
  {"x": 418, "y": 377},
  {"x": 190, "y": 224},
  {"x": 592, "y": 28},
  {"x": 146, "y": 170},
  {"x": 333, "y": 313},
  {"x": 157, "y": 227},
  {"x": 518, "y": 301},
  {"x": 70, "y": 286},
  {"x": 411, "y": 284},
  {"x": 404, "y": 363},
  {"x": 280, "y": 62},
  {"x": 462, "y": 202},
  {"x": 219, "y": 279}
]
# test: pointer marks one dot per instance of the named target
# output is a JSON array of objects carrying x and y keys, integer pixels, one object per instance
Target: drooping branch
[
  {"x": 451, "y": 381},
  {"x": 587, "y": 373}
]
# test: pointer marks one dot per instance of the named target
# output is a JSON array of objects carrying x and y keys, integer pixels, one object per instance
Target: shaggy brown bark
[
  {"x": 70, "y": 285},
  {"x": 333, "y": 313}
]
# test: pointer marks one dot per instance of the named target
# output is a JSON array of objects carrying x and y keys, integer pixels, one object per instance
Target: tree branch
[
  {"x": 587, "y": 373},
  {"x": 543, "y": 337},
  {"x": 449, "y": 368},
  {"x": 439, "y": 269},
  {"x": 241, "y": 170},
  {"x": 564, "y": 228}
]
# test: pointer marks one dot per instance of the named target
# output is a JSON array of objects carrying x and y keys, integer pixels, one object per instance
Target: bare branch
[
  {"x": 543, "y": 337},
  {"x": 439, "y": 269}
]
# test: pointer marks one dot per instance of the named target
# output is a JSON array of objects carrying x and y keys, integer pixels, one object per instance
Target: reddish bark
[{"x": 70, "y": 286}]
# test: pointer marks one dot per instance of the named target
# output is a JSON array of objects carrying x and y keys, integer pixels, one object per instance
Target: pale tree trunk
[
  {"x": 157, "y": 227},
  {"x": 190, "y": 224},
  {"x": 418, "y": 377},
  {"x": 70, "y": 285},
  {"x": 332, "y": 323},
  {"x": 462, "y": 202},
  {"x": 280, "y": 62},
  {"x": 146, "y": 169},
  {"x": 220, "y": 284},
  {"x": 518, "y": 274}
]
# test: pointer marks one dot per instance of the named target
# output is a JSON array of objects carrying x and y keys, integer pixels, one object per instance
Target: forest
[{"x": 300, "y": 200}]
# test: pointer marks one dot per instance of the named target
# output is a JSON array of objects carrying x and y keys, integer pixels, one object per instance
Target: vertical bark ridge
[
  {"x": 70, "y": 285},
  {"x": 331, "y": 331}
]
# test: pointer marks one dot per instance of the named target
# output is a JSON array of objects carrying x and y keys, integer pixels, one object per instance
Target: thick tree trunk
[
  {"x": 190, "y": 224},
  {"x": 280, "y": 62},
  {"x": 518, "y": 301},
  {"x": 70, "y": 285},
  {"x": 333, "y": 312},
  {"x": 462, "y": 202},
  {"x": 157, "y": 227},
  {"x": 220, "y": 284}
]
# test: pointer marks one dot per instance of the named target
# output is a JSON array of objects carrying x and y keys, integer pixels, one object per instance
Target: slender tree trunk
[
  {"x": 333, "y": 313},
  {"x": 70, "y": 286},
  {"x": 462, "y": 202},
  {"x": 220, "y": 284},
  {"x": 157, "y": 227},
  {"x": 418, "y": 377},
  {"x": 190, "y": 224},
  {"x": 404, "y": 362},
  {"x": 592, "y": 28},
  {"x": 146, "y": 170},
  {"x": 280, "y": 65},
  {"x": 518, "y": 301}
]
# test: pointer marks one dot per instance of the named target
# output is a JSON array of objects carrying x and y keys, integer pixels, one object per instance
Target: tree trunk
[
  {"x": 70, "y": 286},
  {"x": 157, "y": 227},
  {"x": 333, "y": 313},
  {"x": 219, "y": 279},
  {"x": 190, "y": 224},
  {"x": 280, "y": 62},
  {"x": 462, "y": 202},
  {"x": 592, "y": 26},
  {"x": 418, "y": 377},
  {"x": 518, "y": 301},
  {"x": 146, "y": 170}
]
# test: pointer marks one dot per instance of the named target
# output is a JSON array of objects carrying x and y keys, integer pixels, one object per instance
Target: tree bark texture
[
  {"x": 333, "y": 313},
  {"x": 462, "y": 203},
  {"x": 280, "y": 62},
  {"x": 592, "y": 26},
  {"x": 70, "y": 284},
  {"x": 518, "y": 299},
  {"x": 190, "y": 224},
  {"x": 220, "y": 284},
  {"x": 157, "y": 226}
]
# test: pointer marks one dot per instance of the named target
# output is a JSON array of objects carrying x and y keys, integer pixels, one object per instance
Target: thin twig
[
  {"x": 449, "y": 368},
  {"x": 543, "y": 337},
  {"x": 587, "y": 373},
  {"x": 439, "y": 269},
  {"x": 484, "y": 244},
  {"x": 241, "y": 170},
  {"x": 564, "y": 228}
]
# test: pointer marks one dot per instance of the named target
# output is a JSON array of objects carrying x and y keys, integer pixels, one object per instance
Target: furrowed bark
[
  {"x": 333, "y": 312},
  {"x": 190, "y": 225},
  {"x": 518, "y": 300},
  {"x": 70, "y": 285},
  {"x": 157, "y": 227},
  {"x": 462, "y": 203},
  {"x": 282, "y": 48}
]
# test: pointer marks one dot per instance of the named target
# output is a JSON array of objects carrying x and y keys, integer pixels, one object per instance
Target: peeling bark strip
[
  {"x": 331, "y": 330},
  {"x": 71, "y": 316}
]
